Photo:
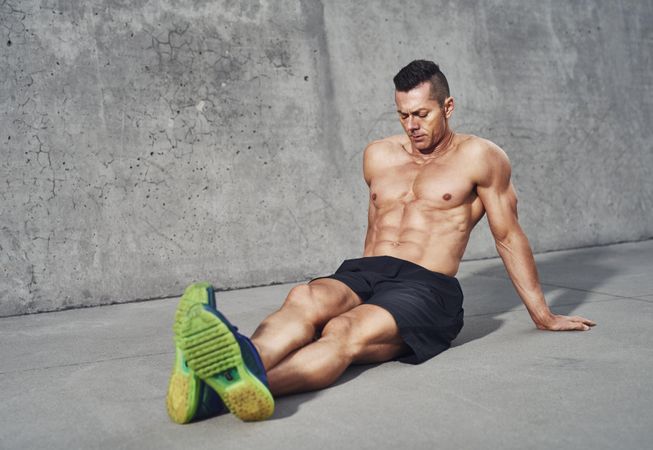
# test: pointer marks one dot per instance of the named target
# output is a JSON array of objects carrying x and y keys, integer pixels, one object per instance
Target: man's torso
[{"x": 423, "y": 211}]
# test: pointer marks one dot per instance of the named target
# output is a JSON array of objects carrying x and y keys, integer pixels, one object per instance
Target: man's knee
[
  {"x": 302, "y": 299},
  {"x": 298, "y": 296},
  {"x": 341, "y": 330}
]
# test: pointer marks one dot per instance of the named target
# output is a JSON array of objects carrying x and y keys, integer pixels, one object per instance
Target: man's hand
[{"x": 565, "y": 323}]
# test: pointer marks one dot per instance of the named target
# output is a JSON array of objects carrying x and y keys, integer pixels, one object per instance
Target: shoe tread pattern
[{"x": 212, "y": 351}]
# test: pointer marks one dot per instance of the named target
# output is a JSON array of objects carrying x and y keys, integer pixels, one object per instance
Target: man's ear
[{"x": 448, "y": 107}]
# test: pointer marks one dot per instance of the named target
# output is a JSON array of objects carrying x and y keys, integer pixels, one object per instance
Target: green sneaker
[
  {"x": 226, "y": 360},
  {"x": 189, "y": 398}
]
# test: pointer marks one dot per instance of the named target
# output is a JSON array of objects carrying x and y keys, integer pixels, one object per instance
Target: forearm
[{"x": 517, "y": 256}]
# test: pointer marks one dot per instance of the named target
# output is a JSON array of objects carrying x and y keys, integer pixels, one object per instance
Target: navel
[
  {"x": 447, "y": 196},
  {"x": 374, "y": 196}
]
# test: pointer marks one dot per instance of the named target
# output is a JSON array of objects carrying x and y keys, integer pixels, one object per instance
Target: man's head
[
  {"x": 423, "y": 103},
  {"x": 422, "y": 71}
]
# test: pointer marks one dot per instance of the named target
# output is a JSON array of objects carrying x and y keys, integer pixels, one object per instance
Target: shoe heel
[
  {"x": 181, "y": 392},
  {"x": 184, "y": 394}
]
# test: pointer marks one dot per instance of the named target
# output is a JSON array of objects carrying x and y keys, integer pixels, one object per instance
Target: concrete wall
[{"x": 146, "y": 144}]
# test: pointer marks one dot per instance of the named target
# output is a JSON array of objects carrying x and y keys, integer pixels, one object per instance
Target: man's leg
[
  {"x": 307, "y": 308},
  {"x": 365, "y": 334}
]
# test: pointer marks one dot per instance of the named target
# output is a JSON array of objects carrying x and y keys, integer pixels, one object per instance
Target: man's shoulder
[
  {"x": 382, "y": 153},
  {"x": 480, "y": 146},
  {"x": 390, "y": 143},
  {"x": 486, "y": 159},
  {"x": 385, "y": 150},
  {"x": 481, "y": 153}
]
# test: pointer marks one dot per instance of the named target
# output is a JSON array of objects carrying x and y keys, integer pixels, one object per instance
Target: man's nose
[{"x": 412, "y": 124}]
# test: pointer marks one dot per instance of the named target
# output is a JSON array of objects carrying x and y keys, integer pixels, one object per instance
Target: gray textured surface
[
  {"x": 148, "y": 144},
  {"x": 96, "y": 377}
]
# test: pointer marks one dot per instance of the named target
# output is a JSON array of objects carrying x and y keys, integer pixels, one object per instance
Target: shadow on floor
[
  {"x": 561, "y": 301},
  {"x": 289, "y": 405}
]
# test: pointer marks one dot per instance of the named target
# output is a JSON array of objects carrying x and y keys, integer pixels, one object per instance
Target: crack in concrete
[
  {"x": 158, "y": 45},
  {"x": 86, "y": 363},
  {"x": 53, "y": 179}
]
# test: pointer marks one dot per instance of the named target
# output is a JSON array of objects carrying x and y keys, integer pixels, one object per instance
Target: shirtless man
[{"x": 428, "y": 188}]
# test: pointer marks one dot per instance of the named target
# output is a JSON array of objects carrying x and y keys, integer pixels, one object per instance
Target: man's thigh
[{"x": 370, "y": 332}]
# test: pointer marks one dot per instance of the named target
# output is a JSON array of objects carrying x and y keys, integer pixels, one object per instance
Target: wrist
[{"x": 543, "y": 318}]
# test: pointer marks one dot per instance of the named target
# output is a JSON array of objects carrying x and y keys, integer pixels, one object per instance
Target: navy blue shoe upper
[{"x": 250, "y": 355}]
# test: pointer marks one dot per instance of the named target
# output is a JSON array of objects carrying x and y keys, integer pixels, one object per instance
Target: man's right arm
[
  {"x": 368, "y": 170},
  {"x": 369, "y": 239}
]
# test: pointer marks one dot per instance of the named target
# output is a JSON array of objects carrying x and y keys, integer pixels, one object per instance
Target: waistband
[{"x": 404, "y": 264}]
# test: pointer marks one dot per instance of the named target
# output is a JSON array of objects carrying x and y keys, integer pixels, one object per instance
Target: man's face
[{"x": 421, "y": 116}]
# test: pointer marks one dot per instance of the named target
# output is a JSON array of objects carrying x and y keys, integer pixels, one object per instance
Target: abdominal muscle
[{"x": 435, "y": 239}]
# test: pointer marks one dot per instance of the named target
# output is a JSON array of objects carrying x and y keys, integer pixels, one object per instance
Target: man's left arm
[{"x": 500, "y": 201}]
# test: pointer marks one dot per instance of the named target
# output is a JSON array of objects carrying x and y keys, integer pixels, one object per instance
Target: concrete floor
[{"x": 96, "y": 378}]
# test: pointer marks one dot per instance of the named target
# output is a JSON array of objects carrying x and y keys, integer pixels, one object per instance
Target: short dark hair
[{"x": 418, "y": 72}]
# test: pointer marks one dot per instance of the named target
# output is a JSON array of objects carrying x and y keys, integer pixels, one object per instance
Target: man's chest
[{"x": 440, "y": 185}]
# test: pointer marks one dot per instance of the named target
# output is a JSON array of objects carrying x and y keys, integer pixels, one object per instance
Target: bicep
[
  {"x": 372, "y": 160},
  {"x": 498, "y": 195},
  {"x": 367, "y": 164}
]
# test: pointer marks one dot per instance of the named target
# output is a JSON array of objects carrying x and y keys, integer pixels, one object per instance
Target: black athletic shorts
[{"x": 426, "y": 305}]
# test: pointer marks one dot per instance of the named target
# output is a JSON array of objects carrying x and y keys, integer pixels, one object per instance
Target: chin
[{"x": 422, "y": 145}]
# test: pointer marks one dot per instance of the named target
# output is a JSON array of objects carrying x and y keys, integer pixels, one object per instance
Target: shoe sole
[
  {"x": 185, "y": 388},
  {"x": 212, "y": 351}
]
